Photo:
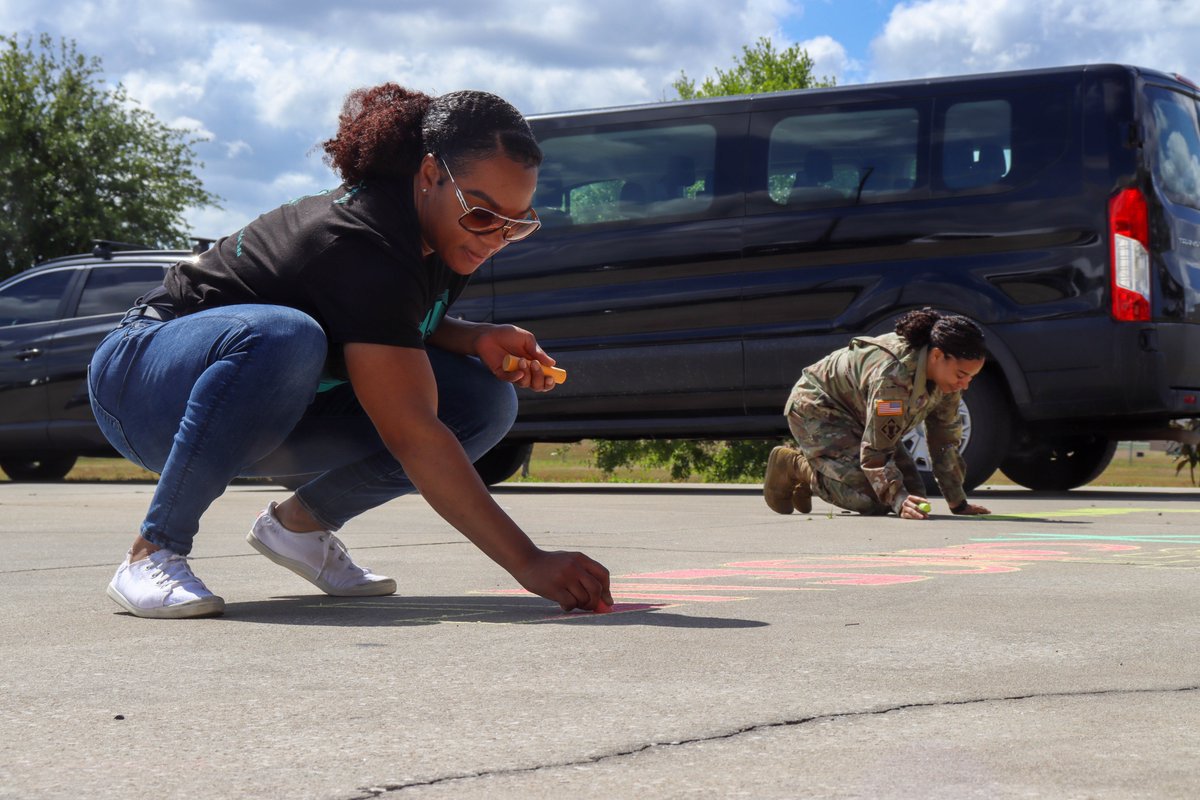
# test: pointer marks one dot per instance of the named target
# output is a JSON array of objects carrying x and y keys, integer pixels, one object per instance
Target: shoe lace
[
  {"x": 336, "y": 550},
  {"x": 170, "y": 571}
]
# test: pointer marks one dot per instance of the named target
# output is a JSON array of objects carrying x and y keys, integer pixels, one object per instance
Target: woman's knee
[
  {"x": 285, "y": 345},
  {"x": 470, "y": 396},
  {"x": 293, "y": 334}
]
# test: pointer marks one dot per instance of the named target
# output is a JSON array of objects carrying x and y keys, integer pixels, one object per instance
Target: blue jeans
[{"x": 231, "y": 391}]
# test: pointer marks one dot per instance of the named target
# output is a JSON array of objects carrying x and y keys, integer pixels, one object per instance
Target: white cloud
[
  {"x": 193, "y": 126},
  {"x": 830, "y": 59},
  {"x": 266, "y": 84},
  {"x": 237, "y": 148},
  {"x": 942, "y": 37}
]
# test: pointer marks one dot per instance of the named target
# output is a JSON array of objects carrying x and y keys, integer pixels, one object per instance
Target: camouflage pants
[{"x": 831, "y": 449}]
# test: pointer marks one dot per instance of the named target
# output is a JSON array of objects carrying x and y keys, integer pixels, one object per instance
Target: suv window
[
  {"x": 1176, "y": 154},
  {"x": 843, "y": 157},
  {"x": 647, "y": 173},
  {"x": 110, "y": 290},
  {"x": 34, "y": 299}
]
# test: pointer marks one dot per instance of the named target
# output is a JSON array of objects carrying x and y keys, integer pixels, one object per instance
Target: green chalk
[{"x": 924, "y": 508}]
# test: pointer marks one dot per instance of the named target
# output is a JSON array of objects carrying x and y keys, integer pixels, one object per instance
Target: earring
[{"x": 425, "y": 191}]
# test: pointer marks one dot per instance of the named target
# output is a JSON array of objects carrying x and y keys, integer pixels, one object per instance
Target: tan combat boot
[
  {"x": 802, "y": 494},
  {"x": 787, "y": 478}
]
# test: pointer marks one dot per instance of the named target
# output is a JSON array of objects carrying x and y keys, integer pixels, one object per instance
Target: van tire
[
  {"x": 990, "y": 434},
  {"x": 502, "y": 461},
  {"x": 1056, "y": 465},
  {"x": 37, "y": 469}
]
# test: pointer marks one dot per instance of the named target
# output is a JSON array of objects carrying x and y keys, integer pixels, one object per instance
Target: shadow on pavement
[
  {"x": 1028, "y": 518},
  {"x": 395, "y": 611},
  {"x": 1078, "y": 497}
]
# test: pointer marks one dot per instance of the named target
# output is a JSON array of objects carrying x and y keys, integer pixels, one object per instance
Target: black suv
[{"x": 52, "y": 317}]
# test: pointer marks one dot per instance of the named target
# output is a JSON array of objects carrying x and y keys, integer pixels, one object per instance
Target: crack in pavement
[{"x": 382, "y": 789}]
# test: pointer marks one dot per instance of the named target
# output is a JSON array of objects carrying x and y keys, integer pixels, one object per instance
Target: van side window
[
  {"x": 997, "y": 143},
  {"x": 1176, "y": 149},
  {"x": 977, "y": 144},
  {"x": 644, "y": 173},
  {"x": 844, "y": 157}
]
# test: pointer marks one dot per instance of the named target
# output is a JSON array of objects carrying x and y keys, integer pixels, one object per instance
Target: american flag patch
[{"x": 889, "y": 408}]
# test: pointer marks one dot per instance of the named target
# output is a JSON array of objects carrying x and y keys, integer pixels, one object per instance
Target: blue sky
[{"x": 262, "y": 80}]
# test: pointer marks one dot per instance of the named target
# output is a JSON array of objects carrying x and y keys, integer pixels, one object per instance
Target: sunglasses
[{"x": 481, "y": 221}]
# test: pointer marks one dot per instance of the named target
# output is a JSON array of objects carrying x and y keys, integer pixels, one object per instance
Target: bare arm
[{"x": 396, "y": 387}]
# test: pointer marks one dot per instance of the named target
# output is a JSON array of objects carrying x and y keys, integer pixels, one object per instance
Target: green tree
[
  {"x": 719, "y": 461},
  {"x": 761, "y": 68},
  {"x": 81, "y": 161}
]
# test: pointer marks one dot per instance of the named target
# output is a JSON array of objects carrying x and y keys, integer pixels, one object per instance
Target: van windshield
[{"x": 1176, "y": 151}]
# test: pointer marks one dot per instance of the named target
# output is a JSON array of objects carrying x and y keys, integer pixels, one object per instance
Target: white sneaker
[
  {"x": 317, "y": 556},
  {"x": 162, "y": 586}
]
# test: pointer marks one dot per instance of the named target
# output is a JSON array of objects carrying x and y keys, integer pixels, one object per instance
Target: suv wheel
[
  {"x": 30, "y": 469},
  {"x": 987, "y": 425}
]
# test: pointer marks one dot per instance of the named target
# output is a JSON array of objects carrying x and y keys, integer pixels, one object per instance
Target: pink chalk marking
[
  {"x": 843, "y": 578},
  {"x": 709, "y": 572},
  {"x": 876, "y": 580},
  {"x": 957, "y": 563},
  {"x": 1020, "y": 551},
  {"x": 830, "y": 562},
  {"x": 623, "y": 588},
  {"x": 695, "y": 598}
]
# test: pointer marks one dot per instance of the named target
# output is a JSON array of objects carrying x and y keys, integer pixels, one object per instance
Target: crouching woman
[{"x": 850, "y": 411}]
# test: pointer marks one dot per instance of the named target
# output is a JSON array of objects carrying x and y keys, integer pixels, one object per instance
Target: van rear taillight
[{"x": 1129, "y": 230}]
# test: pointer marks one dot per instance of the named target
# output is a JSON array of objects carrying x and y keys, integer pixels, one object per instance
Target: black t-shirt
[{"x": 350, "y": 258}]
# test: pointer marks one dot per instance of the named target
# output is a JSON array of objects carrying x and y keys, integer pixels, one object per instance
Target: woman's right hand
[
  {"x": 570, "y": 579},
  {"x": 911, "y": 507}
]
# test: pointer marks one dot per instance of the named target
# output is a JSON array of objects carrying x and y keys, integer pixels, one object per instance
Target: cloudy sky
[{"x": 262, "y": 81}]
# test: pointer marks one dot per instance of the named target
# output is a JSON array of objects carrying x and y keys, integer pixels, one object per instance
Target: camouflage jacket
[{"x": 876, "y": 390}]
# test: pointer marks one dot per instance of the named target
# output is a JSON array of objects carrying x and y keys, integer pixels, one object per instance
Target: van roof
[{"x": 735, "y": 103}]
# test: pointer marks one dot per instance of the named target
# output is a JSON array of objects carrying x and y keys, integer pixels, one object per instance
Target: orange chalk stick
[
  {"x": 512, "y": 364},
  {"x": 603, "y": 608}
]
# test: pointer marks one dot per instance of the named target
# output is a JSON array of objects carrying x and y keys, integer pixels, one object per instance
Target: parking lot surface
[{"x": 1049, "y": 650}]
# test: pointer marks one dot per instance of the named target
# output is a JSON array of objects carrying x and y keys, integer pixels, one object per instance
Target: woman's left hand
[
  {"x": 498, "y": 341},
  {"x": 971, "y": 510}
]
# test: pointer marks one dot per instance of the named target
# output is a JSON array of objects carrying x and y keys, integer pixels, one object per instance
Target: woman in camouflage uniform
[{"x": 850, "y": 411}]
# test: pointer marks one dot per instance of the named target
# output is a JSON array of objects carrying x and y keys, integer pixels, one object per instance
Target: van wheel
[
  {"x": 987, "y": 427},
  {"x": 502, "y": 461},
  {"x": 1057, "y": 465},
  {"x": 35, "y": 469}
]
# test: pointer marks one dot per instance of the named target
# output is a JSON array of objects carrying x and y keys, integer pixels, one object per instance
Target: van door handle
[{"x": 27, "y": 354}]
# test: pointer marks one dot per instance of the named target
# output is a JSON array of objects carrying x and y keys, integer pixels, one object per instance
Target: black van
[{"x": 697, "y": 255}]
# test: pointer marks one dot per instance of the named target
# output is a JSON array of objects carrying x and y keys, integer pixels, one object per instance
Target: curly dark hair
[
  {"x": 954, "y": 335},
  {"x": 386, "y": 130}
]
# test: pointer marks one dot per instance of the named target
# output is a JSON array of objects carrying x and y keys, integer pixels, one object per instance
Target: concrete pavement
[{"x": 1050, "y": 650}]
